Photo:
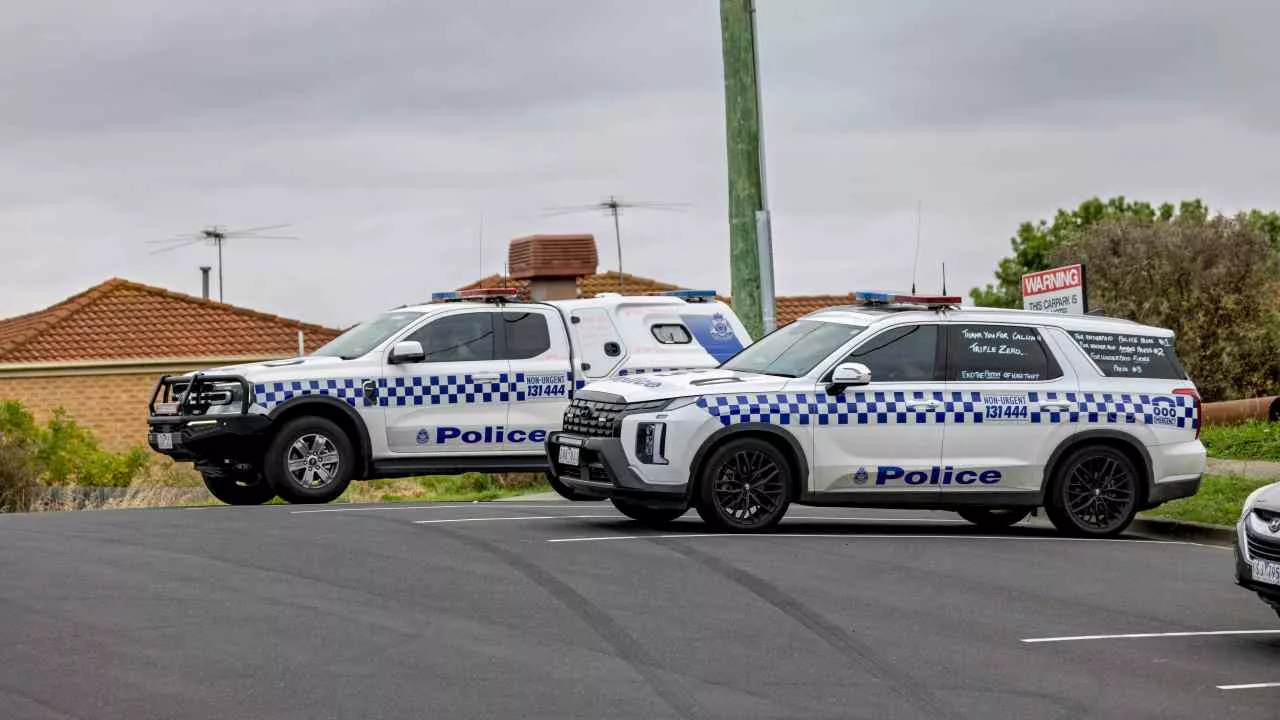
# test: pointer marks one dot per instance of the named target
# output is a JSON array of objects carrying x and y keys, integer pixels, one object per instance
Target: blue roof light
[
  {"x": 689, "y": 293},
  {"x": 869, "y": 296},
  {"x": 446, "y": 296}
]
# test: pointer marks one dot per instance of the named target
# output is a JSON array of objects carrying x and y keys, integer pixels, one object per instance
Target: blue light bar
[
  {"x": 690, "y": 293},
  {"x": 446, "y": 296},
  {"x": 868, "y": 296}
]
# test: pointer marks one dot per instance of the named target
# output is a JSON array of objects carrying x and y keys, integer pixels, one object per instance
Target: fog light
[{"x": 651, "y": 443}]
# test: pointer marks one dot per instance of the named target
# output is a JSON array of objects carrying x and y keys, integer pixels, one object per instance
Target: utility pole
[{"x": 750, "y": 245}]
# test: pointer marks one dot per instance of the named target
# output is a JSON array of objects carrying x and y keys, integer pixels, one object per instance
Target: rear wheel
[
  {"x": 653, "y": 517},
  {"x": 238, "y": 490},
  {"x": 310, "y": 460},
  {"x": 994, "y": 518},
  {"x": 744, "y": 487},
  {"x": 1094, "y": 493}
]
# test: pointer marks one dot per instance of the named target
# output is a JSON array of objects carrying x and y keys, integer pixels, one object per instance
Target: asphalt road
[{"x": 516, "y": 610}]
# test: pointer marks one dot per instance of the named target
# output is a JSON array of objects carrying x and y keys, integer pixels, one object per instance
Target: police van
[
  {"x": 472, "y": 381},
  {"x": 900, "y": 402}
]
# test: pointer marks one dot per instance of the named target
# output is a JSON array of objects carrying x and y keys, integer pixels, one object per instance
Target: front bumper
[
  {"x": 209, "y": 438},
  {"x": 603, "y": 471},
  {"x": 1244, "y": 573}
]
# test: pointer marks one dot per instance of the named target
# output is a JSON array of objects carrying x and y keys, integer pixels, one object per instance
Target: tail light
[{"x": 1195, "y": 398}]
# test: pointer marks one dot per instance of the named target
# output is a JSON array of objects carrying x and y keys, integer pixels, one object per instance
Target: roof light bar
[
  {"x": 888, "y": 298},
  {"x": 492, "y": 294},
  {"x": 446, "y": 296},
  {"x": 688, "y": 295}
]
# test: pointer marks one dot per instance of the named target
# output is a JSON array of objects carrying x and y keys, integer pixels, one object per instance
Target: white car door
[
  {"x": 885, "y": 436},
  {"x": 533, "y": 341},
  {"x": 1008, "y": 394},
  {"x": 455, "y": 401}
]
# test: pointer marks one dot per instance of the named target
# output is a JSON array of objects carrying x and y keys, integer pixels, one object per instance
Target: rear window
[{"x": 1136, "y": 356}]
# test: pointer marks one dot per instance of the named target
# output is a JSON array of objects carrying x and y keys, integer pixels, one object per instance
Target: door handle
[
  {"x": 1053, "y": 407},
  {"x": 922, "y": 407},
  {"x": 485, "y": 378}
]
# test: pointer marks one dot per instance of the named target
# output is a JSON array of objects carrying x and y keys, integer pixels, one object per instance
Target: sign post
[{"x": 1060, "y": 290}]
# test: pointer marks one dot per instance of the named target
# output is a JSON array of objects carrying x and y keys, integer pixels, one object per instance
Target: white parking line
[
  {"x": 865, "y": 536},
  {"x": 440, "y": 506},
  {"x": 1250, "y": 686},
  {"x": 1140, "y": 636},
  {"x": 499, "y": 519}
]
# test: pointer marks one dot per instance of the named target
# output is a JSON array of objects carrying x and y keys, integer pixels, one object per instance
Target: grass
[
  {"x": 1218, "y": 503},
  {"x": 1249, "y": 441},
  {"x": 444, "y": 488}
]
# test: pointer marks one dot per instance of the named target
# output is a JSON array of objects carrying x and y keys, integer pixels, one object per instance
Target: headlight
[
  {"x": 1249, "y": 501},
  {"x": 680, "y": 403}
]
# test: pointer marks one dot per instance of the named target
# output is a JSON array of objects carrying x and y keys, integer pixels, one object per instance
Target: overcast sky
[{"x": 382, "y": 130}]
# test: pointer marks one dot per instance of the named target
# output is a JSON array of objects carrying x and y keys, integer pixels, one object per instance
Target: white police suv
[
  {"x": 904, "y": 402},
  {"x": 444, "y": 387}
]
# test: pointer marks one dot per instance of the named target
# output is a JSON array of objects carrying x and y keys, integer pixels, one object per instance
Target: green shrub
[
  {"x": 64, "y": 453},
  {"x": 17, "y": 481}
]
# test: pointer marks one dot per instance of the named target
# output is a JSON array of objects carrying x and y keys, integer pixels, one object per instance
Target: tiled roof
[
  {"x": 124, "y": 320},
  {"x": 788, "y": 308}
]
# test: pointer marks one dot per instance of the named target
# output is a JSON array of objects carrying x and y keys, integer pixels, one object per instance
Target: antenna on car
[
  {"x": 614, "y": 206},
  {"x": 944, "y": 277},
  {"x": 916, "y": 263},
  {"x": 217, "y": 235}
]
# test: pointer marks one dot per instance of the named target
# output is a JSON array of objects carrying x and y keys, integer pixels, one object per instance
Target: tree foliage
[
  {"x": 1213, "y": 281},
  {"x": 1035, "y": 243}
]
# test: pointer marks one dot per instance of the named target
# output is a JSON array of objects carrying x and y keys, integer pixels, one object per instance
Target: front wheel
[
  {"x": 744, "y": 487},
  {"x": 1095, "y": 493},
  {"x": 310, "y": 460},
  {"x": 994, "y": 518},
  {"x": 653, "y": 517},
  {"x": 238, "y": 491}
]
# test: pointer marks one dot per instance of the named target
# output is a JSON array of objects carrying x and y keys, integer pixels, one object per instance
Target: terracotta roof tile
[{"x": 124, "y": 320}]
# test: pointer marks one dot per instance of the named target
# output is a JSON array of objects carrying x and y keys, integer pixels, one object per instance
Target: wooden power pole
[{"x": 748, "y": 217}]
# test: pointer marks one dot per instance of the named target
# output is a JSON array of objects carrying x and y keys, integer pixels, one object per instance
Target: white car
[
  {"x": 445, "y": 387},
  {"x": 902, "y": 402},
  {"x": 1258, "y": 545}
]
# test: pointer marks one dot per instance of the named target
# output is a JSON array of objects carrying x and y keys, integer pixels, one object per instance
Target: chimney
[
  {"x": 552, "y": 264},
  {"x": 204, "y": 281}
]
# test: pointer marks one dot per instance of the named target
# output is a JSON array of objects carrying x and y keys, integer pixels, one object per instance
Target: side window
[
  {"x": 996, "y": 353},
  {"x": 525, "y": 334},
  {"x": 1143, "y": 356},
  {"x": 902, "y": 354},
  {"x": 466, "y": 337},
  {"x": 671, "y": 334}
]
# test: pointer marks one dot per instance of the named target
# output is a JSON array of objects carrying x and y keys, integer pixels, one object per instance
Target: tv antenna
[
  {"x": 614, "y": 206},
  {"x": 217, "y": 236}
]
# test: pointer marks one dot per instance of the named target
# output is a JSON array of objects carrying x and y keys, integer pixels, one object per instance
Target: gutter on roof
[{"x": 131, "y": 366}]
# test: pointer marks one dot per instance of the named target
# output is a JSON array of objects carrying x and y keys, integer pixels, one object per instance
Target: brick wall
[{"x": 114, "y": 407}]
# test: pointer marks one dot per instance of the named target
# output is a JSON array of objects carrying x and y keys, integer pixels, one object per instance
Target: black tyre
[
  {"x": 239, "y": 491},
  {"x": 310, "y": 460},
  {"x": 744, "y": 487},
  {"x": 994, "y": 518},
  {"x": 1095, "y": 492},
  {"x": 653, "y": 517}
]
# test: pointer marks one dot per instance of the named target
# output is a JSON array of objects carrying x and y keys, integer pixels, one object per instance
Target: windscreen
[
  {"x": 359, "y": 340},
  {"x": 1125, "y": 355},
  {"x": 795, "y": 349}
]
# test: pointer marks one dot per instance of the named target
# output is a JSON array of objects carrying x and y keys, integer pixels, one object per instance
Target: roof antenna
[
  {"x": 916, "y": 263},
  {"x": 614, "y": 206},
  {"x": 944, "y": 277},
  {"x": 480, "y": 243}
]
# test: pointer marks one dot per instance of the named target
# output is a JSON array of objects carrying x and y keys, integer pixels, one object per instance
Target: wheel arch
[
  {"x": 1130, "y": 446},
  {"x": 783, "y": 441},
  {"x": 336, "y": 411}
]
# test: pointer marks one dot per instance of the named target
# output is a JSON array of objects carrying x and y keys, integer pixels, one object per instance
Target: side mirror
[
  {"x": 407, "y": 351},
  {"x": 848, "y": 375}
]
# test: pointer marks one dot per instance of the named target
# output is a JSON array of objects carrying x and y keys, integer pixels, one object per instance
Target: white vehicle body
[
  {"x": 964, "y": 408},
  {"x": 476, "y": 386}
]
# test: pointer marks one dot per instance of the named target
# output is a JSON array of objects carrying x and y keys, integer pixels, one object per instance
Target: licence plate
[
  {"x": 164, "y": 441},
  {"x": 1266, "y": 571},
  {"x": 568, "y": 455}
]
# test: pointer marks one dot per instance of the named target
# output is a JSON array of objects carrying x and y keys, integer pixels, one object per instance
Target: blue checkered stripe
[
  {"x": 902, "y": 407},
  {"x": 646, "y": 371},
  {"x": 818, "y": 408},
  {"x": 449, "y": 390},
  {"x": 271, "y": 394},
  {"x": 1115, "y": 408}
]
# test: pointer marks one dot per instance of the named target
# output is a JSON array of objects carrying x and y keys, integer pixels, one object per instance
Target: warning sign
[{"x": 1059, "y": 290}]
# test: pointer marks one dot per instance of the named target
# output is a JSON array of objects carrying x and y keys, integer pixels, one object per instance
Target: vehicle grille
[
  {"x": 593, "y": 418},
  {"x": 1263, "y": 548}
]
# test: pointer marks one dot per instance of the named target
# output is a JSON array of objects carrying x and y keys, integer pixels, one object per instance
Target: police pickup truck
[
  {"x": 472, "y": 381},
  {"x": 905, "y": 402}
]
